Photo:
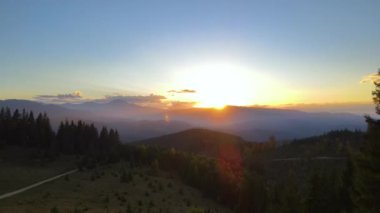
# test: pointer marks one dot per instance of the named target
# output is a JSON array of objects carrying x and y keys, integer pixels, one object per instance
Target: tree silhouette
[
  {"x": 23, "y": 129},
  {"x": 367, "y": 175}
]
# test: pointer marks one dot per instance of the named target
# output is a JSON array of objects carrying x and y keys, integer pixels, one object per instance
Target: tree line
[{"x": 22, "y": 128}]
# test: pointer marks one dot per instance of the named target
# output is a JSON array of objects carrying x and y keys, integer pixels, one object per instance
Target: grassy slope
[
  {"x": 17, "y": 169},
  {"x": 101, "y": 190}
]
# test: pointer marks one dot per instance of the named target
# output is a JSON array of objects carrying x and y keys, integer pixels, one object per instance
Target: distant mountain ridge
[
  {"x": 136, "y": 122},
  {"x": 117, "y": 108},
  {"x": 254, "y": 123}
]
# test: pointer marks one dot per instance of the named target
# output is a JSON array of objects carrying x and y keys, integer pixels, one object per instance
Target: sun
[{"x": 217, "y": 85}]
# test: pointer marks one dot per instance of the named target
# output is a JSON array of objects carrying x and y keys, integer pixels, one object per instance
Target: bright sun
[
  {"x": 217, "y": 85},
  {"x": 220, "y": 84}
]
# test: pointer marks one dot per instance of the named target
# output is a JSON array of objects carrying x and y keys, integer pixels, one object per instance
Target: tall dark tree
[
  {"x": 22, "y": 129},
  {"x": 367, "y": 173},
  {"x": 253, "y": 195},
  {"x": 45, "y": 134}
]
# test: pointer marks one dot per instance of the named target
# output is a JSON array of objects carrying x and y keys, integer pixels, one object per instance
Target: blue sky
[{"x": 318, "y": 51}]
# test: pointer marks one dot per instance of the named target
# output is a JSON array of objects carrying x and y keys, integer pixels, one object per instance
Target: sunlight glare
[{"x": 220, "y": 84}]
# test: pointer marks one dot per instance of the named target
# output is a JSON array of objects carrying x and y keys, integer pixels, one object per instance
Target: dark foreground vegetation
[
  {"x": 72, "y": 138},
  {"x": 243, "y": 176},
  {"x": 335, "y": 172}
]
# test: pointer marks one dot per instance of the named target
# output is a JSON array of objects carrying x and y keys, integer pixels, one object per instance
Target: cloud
[
  {"x": 77, "y": 97},
  {"x": 152, "y": 100},
  {"x": 60, "y": 98},
  {"x": 138, "y": 99},
  {"x": 181, "y": 105},
  {"x": 374, "y": 77},
  {"x": 183, "y": 91}
]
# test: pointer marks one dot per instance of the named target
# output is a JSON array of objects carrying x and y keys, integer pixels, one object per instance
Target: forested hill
[
  {"x": 199, "y": 141},
  {"x": 335, "y": 143}
]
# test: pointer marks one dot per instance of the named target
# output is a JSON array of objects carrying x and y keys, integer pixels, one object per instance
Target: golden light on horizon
[{"x": 220, "y": 84}]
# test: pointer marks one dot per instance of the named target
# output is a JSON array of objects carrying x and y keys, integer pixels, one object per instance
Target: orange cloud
[
  {"x": 181, "y": 105},
  {"x": 60, "y": 98},
  {"x": 374, "y": 77},
  {"x": 183, "y": 91}
]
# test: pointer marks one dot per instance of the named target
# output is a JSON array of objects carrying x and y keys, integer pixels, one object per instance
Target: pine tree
[{"x": 367, "y": 173}]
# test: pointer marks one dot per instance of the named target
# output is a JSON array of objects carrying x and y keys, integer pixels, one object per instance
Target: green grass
[
  {"x": 102, "y": 190},
  {"x": 18, "y": 169}
]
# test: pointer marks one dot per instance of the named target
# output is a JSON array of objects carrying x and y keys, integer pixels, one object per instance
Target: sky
[{"x": 210, "y": 53}]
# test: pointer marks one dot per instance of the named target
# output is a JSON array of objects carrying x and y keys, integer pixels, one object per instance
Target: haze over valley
[{"x": 136, "y": 122}]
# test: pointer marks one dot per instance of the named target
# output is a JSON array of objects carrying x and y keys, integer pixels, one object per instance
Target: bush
[
  {"x": 124, "y": 178},
  {"x": 54, "y": 210},
  {"x": 76, "y": 210},
  {"x": 196, "y": 210},
  {"x": 180, "y": 191},
  {"x": 106, "y": 199},
  {"x": 46, "y": 195},
  {"x": 170, "y": 185},
  {"x": 187, "y": 202},
  {"x": 129, "y": 209},
  {"x": 151, "y": 204}
]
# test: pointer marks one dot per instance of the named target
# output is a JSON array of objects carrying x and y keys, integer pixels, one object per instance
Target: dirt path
[{"x": 10, "y": 194}]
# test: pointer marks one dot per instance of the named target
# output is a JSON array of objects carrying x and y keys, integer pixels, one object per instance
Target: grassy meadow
[
  {"x": 110, "y": 188},
  {"x": 18, "y": 168}
]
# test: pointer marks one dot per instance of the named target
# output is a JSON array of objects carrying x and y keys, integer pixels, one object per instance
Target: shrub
[
  {"x": 170, "y": 185},
  {"x": 151, "y": 204},
  {"x": 160, "y": 188},
  {"x": 187, "y": 202},
  {"x": 106, "y": 199},
  {"x": 54, "y": 210},
  {"x": 196, "y": 210},
  {"x": 46, "y": 195}
]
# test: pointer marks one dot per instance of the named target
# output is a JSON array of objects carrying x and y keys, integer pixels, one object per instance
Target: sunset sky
[{"x": 210, "y": 53}]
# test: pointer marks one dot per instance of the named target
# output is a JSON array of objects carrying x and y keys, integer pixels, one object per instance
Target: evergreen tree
[
  {"x": 253, "y": 195},
  {"x": 367, "y": 173}
]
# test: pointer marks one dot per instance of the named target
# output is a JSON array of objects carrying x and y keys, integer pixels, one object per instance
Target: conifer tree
[{"x": 367, "y": 173}]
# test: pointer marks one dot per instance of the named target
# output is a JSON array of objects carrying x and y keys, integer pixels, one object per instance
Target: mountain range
[{"x": 136, "y": 122}]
